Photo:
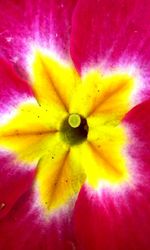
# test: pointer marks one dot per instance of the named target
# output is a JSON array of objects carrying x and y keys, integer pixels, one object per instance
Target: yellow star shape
[{"x": 73, "y": 132}]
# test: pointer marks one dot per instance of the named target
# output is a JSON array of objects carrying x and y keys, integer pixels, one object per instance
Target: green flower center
[{"x": 74, "y": 129}]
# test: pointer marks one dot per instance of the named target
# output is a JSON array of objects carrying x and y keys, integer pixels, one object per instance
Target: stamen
[{"x": 74, "y": 120}]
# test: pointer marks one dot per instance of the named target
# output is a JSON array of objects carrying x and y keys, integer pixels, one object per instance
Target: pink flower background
[{"x": 110, "y": 33}]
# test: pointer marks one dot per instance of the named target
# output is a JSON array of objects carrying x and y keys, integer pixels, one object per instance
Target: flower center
[{"x": 74, "y": 129}]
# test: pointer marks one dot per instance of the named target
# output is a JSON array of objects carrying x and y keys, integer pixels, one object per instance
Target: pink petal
[
  {"x": 116, "y": 223},
  {"x": 14, "y": 182},
  {"x": 111, "y": 32},
  {"x": 12, "y": 88},
  {"x": 23, "y": 228},
  {"x": 41, "y": 23},
  {"x": 138, "y": 123}
]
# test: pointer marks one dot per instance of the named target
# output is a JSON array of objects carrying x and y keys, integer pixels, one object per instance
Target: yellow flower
[{"x": 72, "y": 132}]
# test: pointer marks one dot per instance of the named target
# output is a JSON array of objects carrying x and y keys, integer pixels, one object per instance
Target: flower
[
  {"x": 74, "y": 135},
  {"x": 70, "y": 129}
]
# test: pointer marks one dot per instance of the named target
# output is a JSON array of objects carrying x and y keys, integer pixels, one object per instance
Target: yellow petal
[
  {"x": 59, "y": 179},
  {"x": 53, "y": 81},
  {"x": 29, "y": 133},
  {"x": 103, "y": 162},
  {"x": 115, "y": 96},
  {"x": 103, "y": 95},
  {"x": 86, "y": 93}
]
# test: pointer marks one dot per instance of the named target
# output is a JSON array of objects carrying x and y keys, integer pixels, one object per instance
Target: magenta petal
[
  {"x": 12, "y": 88},
  {"x": 116, "y": 223},
  {"x": 24, "y": 228},
  {"x": 26, "y": 23},
  {"x": 111, "y": 32},
  {"x": 138, "y": 123},
  {"x": 14, "y": 182}
]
